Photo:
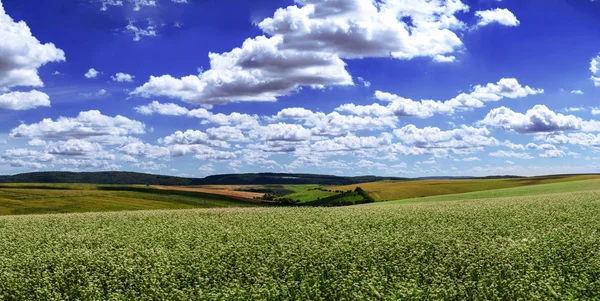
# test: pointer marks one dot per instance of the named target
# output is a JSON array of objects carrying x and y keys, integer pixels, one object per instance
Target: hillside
[
  {"x": 382, "y": 191},
  {"x": 17, "y": 199},
  {"x": 128, "y": 178},
  {"x": 535, "y": 247}
]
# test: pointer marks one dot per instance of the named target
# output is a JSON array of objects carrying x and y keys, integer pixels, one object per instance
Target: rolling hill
[{"x": 129, "y": 178}]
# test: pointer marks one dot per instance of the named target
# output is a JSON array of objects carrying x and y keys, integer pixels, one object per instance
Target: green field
[
  {"x": 64, "y": 198},
  {"x": 537, "y": 242},
  {"x": 306, "y": 193},
  {"x": 386, "y": 191}
]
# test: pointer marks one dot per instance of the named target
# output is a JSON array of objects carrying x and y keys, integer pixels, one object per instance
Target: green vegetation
[
  {"x": 348, "y": 198},
  {"x": 64, "y": 198},
  {"x": 307, "y": 193},
  {"x": 559, "y": 187},
  {"x": 122, "y": 178},
  {"x": 388, "y": 190},
  {"x": 538, "y": 246}
]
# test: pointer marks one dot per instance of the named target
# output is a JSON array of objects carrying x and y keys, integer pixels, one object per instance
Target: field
[
  {"x": 386, "y": 191},
  {"x": 64, "y": 198},
  {"x": 536, "y": 242},
  {"x": 231, "y": 193}
]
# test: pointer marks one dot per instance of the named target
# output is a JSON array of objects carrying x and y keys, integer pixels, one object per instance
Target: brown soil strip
[{"x": 238, "y": 195}]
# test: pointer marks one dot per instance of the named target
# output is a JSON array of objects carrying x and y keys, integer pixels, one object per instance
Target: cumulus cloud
[
  {"x": 145, "y": 150},
  {"x": 536, "y": 120},
  {"x": 137, "y": 4},
  {"x": 433, "y": 137},
  {"x": 156, "y": 107},
  {"x": 22, "y": 56},
  {"x": 92, "y": 73},
  {"x": 139, "y": 32},
  {"x": 243, "y": 121},
  {"x": 335, "y": 124},
  {"x": 282, "y": 132},
  {"x": 307, "y": 42},
  {"x": 20, "y": 101},
  {"x": 553, "y": 153},
  {"x": 85, "y": 125},
  {"x": 594, "y": 65},
  {"x": 578, "y": 92},
  {"x": 192, "y": 137},
  {"x": 122, "y": 77},
  {"x": 400, "y": 106},
  {"x": 73, "y": 147},
  {"x": 581, "y": 139},
  {"x": 351, "y": 143},
  {"x": 511, "y": 154},
  {"x": 501, "y": 16}
]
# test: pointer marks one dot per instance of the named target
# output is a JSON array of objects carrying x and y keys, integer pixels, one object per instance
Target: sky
[{"x": 405, "y": 88}]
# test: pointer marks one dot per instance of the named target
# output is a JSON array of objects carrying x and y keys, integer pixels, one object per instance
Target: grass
[
  {"x": 306, "y": 193},
  {"x": 66, "y": 198},
  {"x": 384, "y": 191},
  {"x": 560, "y": 187},
  {"x": 538, "y": 246}
]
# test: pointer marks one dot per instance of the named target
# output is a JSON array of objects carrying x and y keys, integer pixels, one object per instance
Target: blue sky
[{"x": 349, "y": 87}]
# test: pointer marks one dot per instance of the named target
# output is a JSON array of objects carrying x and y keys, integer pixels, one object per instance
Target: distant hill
[
  {"x": 104, "y": 177},
  {"x": 117, "y": 177}
]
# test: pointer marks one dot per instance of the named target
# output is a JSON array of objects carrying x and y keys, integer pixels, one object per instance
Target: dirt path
[{"x": 238, "y": 195}]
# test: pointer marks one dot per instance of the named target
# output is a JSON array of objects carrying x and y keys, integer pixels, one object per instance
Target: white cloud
[
  {"x": 21, "y": 57},
  {"x": 581, "y": 139},
  {"x": 464, "y": 137},
  {"x": 351, "y": 143},
  {"x": 20, "y": 101},
  {"x": 538, "y": 119},
  {"x": 150, "y": 165},
  {"x": 364, "y": 82},
  {"x": 513, "y": 146},
  {"x": 334, "y": 124},
  {"x": 155, "y": 107},
  {"x": 400, "y": 106},
  {"x": 511, "y": 154},
  {"x": 86, "y": 125},
  {"x": 192, "y": 137},
  {"x": 596, "y": 111},
  {"x": 578, "y": 92},
  {"x": 509, "y": 162},
  {"x": 145, "y": 150},
  {"x": 282, "y": 132},
  {"x": 468, "y": 159},
  {"x": 594, "y": 65},
  {"x": 92, "y": 73},
  {"x": 306, "y": 45},
  {"x": 226, "y": 133},
  {"x": 139, "y": 32},
  {"x": 137, "y": 4},
  {"x": 554, "y": 153},
  {"x": 122, "y": 77},
  {"x": 243, "y": 121},
  {"x": 73, "y": 147},
  {"x": 501, "y": 16}
]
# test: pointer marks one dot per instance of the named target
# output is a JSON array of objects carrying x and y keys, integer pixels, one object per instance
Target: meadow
[
  {"x": 536, "y": 242},
  {"x": 64, "y": 198},
  {"x": 398, "y": 190}
]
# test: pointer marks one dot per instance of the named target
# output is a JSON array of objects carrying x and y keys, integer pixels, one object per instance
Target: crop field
[
  {"x": 232, "y": 193},
  {"x": 302, "y": 193},
  {"x": 386, "y": 191},
  {"x": 307, "y": 193},
  {"x": 64, "y": 198},
  {"x": 522, "y": 243}
]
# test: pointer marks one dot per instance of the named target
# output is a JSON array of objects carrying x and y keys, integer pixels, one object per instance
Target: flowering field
[{"x": 541, "y": 246}]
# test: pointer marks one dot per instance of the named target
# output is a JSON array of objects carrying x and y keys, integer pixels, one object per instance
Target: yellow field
[{"x": 413, "y": 189}]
